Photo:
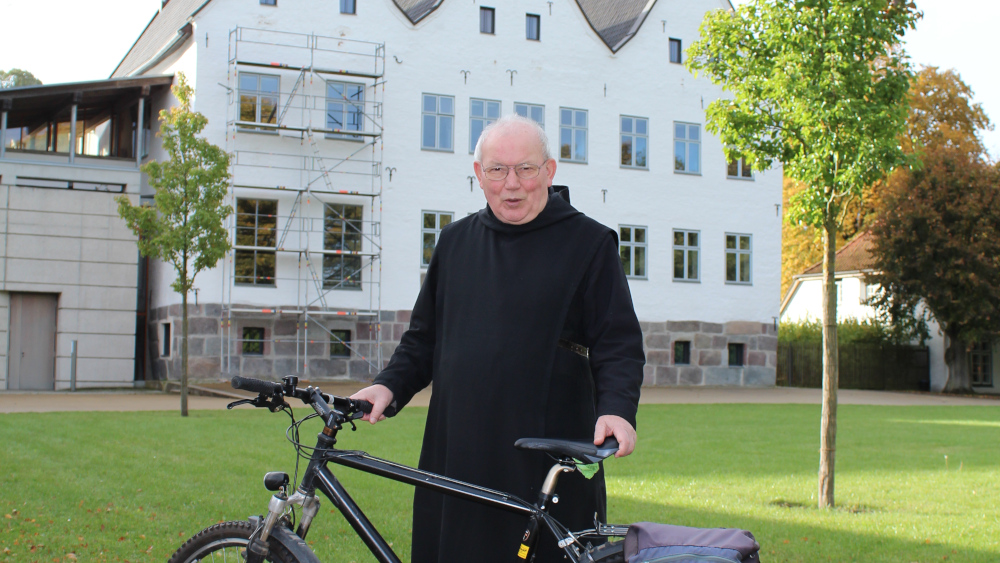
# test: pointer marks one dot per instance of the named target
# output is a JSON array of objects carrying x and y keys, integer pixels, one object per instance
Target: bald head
[{"x": 515, "y": 121}]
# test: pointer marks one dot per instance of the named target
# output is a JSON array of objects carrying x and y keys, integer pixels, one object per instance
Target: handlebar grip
[
  {"x": 366, "y": 407},
  {"x": 255, "y": 385}
]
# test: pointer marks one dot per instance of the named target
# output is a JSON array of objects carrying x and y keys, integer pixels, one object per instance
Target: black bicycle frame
[{"x": 318, "y": 475}]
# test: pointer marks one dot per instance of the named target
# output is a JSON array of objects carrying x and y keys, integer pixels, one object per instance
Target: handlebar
[{"x": 310, "y": 395}]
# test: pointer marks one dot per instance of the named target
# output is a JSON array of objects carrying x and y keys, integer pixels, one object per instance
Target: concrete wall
[{"x": 72, "y": 243}]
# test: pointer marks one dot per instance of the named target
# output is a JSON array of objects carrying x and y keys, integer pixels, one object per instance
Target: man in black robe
[{"x": 525, "y": 326}]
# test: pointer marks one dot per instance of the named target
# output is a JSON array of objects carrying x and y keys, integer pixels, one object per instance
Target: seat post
[{"x": 549, "y": 485}]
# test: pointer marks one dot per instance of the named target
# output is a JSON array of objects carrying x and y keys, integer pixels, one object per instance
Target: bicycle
[{"x": 271, "y": 537}]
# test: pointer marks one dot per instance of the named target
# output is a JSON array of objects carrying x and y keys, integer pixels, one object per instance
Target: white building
[
  {"x": 804, "y": 302},
  {"x": 351, "y": 126}
]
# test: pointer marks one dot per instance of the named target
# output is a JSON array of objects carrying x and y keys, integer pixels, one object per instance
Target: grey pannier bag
[{"x": 647, "y": 542}]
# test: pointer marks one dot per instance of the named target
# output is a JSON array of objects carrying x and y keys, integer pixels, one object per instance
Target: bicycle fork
[{"x": 257, "y": 550}]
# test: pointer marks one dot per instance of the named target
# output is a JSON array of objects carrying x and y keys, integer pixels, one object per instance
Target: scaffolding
[{"x": 316, "y": 148}]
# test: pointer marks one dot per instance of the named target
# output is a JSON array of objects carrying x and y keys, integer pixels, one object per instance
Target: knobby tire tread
[{"x": 284, "y": 546}]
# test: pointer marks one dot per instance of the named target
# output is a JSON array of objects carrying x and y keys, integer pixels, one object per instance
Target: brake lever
[
  {"x": 273, "y": 404},
  {"x": 235, "y": 404}
]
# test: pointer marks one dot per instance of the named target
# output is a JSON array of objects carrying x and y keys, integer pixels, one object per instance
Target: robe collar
[{"x": 557, "y": 209}]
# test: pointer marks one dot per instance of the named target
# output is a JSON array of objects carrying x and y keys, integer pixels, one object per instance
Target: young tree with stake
[
  {"x": 184, "y": 226},
  {"x": 819, "y": 86}
]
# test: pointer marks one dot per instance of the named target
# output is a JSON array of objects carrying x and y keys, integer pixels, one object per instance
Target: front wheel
[
  {"x": 609, "y": 552},
  {"x": 228, "y": 542}
]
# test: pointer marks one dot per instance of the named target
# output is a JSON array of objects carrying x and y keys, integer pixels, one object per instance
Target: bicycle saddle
[{"x": 582, "y": 450}]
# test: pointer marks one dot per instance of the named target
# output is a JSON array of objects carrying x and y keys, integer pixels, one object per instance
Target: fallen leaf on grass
[{"x": 71, "y": 556}]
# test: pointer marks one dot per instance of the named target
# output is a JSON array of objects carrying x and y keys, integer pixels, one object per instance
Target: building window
[
  {"x": 736, "y": 354},
  {"x": 348, "y": 7},
  {"x": 486, "y": 19},
  {"x": 165, "y": 341},
  {"x": 981, "y": 364},
  {"x": 687, "y": 247},
  {"x": 253, "y": 341},
  {"x": 345, "y": 109},
  {"x": 738, "y": 258},
  {"x": 256, "y": 226},
  {"x": 269, "y": 2},
  {"x": 687, "y": 148},
  {"x": 340, "y": 344},
  {"x": 739, "y": 169},
  {"x": 573, "y": 135},
  {"x": 342, "y": 245},
  {"x": 438, "y": 122},
  {"x": 675, "y": 50},
  {"x": 258, "y": 99},
  {"x": 682, "y": 352},
  {"x": 533, "y": 27},
  {"x": 481, "y": 114},
  {"x": 433, "y": 222},
  {"x": 531, "y": 111},
  {"x": 635, "y": 141},
  {"x": 632, "y": 247}
]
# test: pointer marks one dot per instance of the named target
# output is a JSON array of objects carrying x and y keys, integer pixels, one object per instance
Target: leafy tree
[
  {"x": 937, "y": 247},
  {"x": 184, "y": 227},
  {"x": 820, "y": 86},
  {"x": 16, "y": 77}
]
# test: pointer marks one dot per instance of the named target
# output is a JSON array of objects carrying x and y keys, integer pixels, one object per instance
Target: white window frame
[
  {"x": 687, "y": 145},
  {"x": 434, "y": 232},
  {"x": 530, "y": 110},
  {"x": 632, "y": 247},
  {"x": 687, "y": 249},
  {"x": 353, "y": 227},
  {"x": 487, "y": 25},
  {"x": 634, "y": 136},
  {"x": 743, "y": 170},
  {"x": 738, "y": 253},
  {"x": 981, "y": 354},
  {"x": 166, "y": 339},
  {"x": 574, "y": 130},
  {"x": 675, "y": 56},
  {"x": 528, "y": 18},
  {"x": 258, "y": 249},
  {"x": 478, "y": 120},
  {"x": 349, "y": 109},
  {"x": 439, "y": 116},
  {"x": 257, "y": 93}
]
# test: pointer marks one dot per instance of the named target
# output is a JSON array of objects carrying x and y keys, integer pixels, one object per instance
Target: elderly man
[{"x": 525, "y": 326}]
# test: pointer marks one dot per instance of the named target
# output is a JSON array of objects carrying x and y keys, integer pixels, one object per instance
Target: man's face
[{"x": 515, "y": 200}]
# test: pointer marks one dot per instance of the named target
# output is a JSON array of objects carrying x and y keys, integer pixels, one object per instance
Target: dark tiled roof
[
  {"x": 416, "y": 10},
  {"x": 615, "y": 21},
  {"x": 855, "y": 256},
  {"x": 160, "y": 32}
]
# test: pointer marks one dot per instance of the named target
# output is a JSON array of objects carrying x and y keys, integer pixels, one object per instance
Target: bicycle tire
[
  {"x": 227, "y": 542},
  {"x": 610, "y": 552}
]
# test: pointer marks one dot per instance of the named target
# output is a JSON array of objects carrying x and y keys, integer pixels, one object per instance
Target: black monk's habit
[{"x": 485, "y": 329}]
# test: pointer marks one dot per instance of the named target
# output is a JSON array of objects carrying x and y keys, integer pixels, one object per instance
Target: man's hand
[
  {"x": 379, "y": 396},
  {"x": 611, "y": 425}
]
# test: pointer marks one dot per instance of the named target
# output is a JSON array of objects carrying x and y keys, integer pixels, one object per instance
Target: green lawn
[{"x": 914, "y": 484}]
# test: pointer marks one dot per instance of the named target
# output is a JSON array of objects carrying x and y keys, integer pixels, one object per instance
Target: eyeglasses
[{"x": 524, "y": 171}]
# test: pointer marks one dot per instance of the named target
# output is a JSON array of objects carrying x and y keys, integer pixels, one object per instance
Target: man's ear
[
  {"x": 477, "y": 167},
  {"x": 550, "y": 169}
]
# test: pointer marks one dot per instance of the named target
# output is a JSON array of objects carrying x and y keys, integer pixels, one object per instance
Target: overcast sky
[{"x": 73, "y": 41}]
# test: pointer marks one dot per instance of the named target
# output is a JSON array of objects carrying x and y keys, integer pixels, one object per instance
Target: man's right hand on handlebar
[{"x": 379, "y": 396}]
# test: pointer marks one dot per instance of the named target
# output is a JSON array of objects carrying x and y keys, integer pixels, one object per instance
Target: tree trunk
[
  {"x": 184, "y": 354},
  {"x": 957, "y": 356},
  {"x": 831, "y": 371}
]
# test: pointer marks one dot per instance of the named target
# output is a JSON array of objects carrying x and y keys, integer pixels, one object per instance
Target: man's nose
[{"x": 512, "y": 181}]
